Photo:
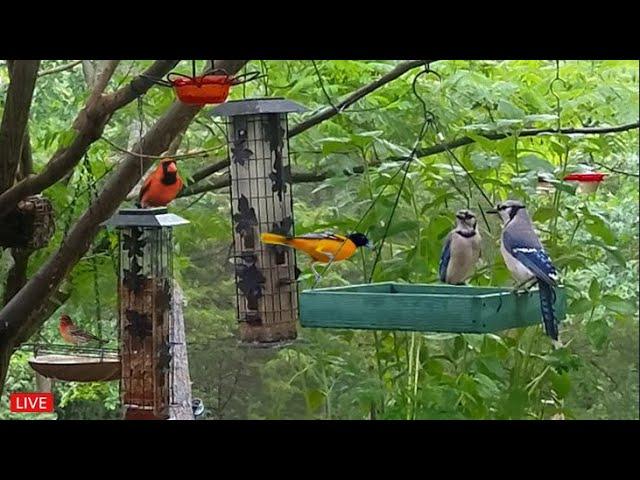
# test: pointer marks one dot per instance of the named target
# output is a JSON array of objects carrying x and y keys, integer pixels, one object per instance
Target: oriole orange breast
[
  {"x": 322, "y": 247},
  {"x": 162, "y": 186}
]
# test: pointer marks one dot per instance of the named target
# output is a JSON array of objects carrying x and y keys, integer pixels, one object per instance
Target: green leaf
[
  {"x": 597, "y": 227},
  {"x": 482, "y": 161},
  {"x": 66, "y": 138},
  {"x": 400, "y": 227},
  {"x": 620, "y": 305},
  {"x": 364, "y": 139},
  {"x": 543, "y": 214},
  {"x": 315, "y": 399},
  {"x": 482, "y": 141},
  {"x": 535, "y": 163},
  {"x": 594, "y": 291},
  {"x": 336, "y": 145},
  {"x": 492, "y": 367},
  {"x": 579, "y": 306},
  {"x": 597, "y": 332},
  {"x": 509, "y": 110},
  {"x": 515, "y": 403},
  {"x": 561, "y": 383},
  {"x": 543, "y": 117}
]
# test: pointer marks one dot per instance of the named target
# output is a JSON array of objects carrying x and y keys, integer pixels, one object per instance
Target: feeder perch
[
  {"x": 261, "y": 201},
  {"x": 78, "y": 368},
  {"x": 145, "y": 287},
  {"x": 587, "y": 182},
  {"x": 423, "y": 307}
]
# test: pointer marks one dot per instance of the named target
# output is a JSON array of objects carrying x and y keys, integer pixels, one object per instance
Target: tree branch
[
  {"x": 17, "y": 317},
  {"x": 352, "y": 98},
  {"x": 318, "y": 117},
  {"x": 15, "y": 117},
  {"x": 17, "y": 276},
  {"x": 26, "y": 157},
  {"x": 460, "y": 142},
  {"x": 307, "y": 177},
  {"x": 615, "y": 170},
  {"x": 102, "y": 81},
  {"x": 61, "y": 68},
  {"x": 89, "y": 125}
]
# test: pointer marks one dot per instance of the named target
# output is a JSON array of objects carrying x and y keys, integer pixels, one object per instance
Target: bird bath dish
[{"x": 78, "y": 368}]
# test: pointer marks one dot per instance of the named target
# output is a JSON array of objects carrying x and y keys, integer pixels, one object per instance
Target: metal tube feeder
[
  {"x": 261, "y": 201},
  {"x": 145, "y": 288}
]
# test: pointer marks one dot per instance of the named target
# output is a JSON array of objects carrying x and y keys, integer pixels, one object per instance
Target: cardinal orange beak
[{"x": 172, "y": 168}]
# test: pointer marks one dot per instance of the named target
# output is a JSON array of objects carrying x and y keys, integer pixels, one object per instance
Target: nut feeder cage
[
  {"x": 261, "y": 201},
  {"x": 145, "y": 287}
]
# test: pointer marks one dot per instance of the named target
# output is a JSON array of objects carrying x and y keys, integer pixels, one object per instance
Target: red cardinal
[
  {"x": 72, "y": 334},
  {"x": 162, "y": 186}
]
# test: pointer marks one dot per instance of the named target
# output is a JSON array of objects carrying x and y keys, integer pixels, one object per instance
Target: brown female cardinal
[
  {"x": 72, "y": 334},
  {"x": 162, "y": 186}
]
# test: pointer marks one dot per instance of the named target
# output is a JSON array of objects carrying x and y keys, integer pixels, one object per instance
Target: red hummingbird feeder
[
  {"x": 211, "y": 88},
  {"x": 587, "y": 182}
]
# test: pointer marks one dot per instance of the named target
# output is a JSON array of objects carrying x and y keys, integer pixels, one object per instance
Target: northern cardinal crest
[{"x": 162, "y": 186}]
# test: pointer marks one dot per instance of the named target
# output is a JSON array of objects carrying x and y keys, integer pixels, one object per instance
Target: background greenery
[{"x": 593, "y": 239}]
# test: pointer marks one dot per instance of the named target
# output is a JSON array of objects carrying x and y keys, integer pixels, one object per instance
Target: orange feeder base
[{"x": 207, "y": 89}]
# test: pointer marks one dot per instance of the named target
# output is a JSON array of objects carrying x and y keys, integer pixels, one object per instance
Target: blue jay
[
  {"x": 526, "y": 259},
  {"x": 461, "y": 250}
]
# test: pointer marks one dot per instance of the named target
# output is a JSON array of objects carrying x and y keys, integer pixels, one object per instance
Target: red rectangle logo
[{"x": 31, "y": 402}]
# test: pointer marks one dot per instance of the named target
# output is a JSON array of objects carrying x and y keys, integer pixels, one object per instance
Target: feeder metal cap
[
  {"x": 256, "y": 106},
  {"x": 144, "y": 217}
]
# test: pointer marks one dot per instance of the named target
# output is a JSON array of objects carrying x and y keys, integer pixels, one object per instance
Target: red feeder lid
[{"x": 585, "y": 177}]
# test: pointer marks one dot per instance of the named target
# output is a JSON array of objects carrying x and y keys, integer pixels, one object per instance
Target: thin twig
[
  {"x": 61, "y": 68},
  {"x": 199, "y": 153},
  {"x": 615, "y": 170}
]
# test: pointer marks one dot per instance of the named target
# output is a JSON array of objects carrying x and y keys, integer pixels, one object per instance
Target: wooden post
[
  {"x": 181, "y": 380},
  {"x": 145, "y": 290},
  {"x": 261, "y": 201}
]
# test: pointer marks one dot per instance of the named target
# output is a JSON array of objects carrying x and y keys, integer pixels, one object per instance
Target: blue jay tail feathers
[{"x": 547, "y": 299}]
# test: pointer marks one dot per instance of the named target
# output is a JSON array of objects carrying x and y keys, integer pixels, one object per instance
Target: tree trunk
[{"x": 17, "y": 317}]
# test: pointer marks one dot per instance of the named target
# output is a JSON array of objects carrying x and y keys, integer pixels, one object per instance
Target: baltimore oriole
[
  {"x": 72, "y": 334},
  {"x": 323, "y": 247},
  {"x": 162, "y": 186}
]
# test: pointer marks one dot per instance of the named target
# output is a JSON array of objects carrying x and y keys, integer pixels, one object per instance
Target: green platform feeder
[{"x": 424, "y": 308}]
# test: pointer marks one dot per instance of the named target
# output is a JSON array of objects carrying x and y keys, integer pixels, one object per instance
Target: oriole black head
[{"x": 360, "y": 240}]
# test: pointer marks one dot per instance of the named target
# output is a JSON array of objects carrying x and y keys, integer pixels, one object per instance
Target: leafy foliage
[{"x": 593, "y": 240}]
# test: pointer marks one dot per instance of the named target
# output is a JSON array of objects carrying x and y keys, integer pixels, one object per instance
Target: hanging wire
[
  {"x": 429, "y": 118},
  {"x": 553, "y": 92},
  {"x": 322, "y": 86},
  {"x": 140, "y": 132},
  {"x": 92, "y": 194}
]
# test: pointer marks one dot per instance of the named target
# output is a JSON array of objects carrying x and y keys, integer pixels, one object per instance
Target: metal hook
[
  {"x": 551, "y": 89},
  {"x": 429, "y": 116}
]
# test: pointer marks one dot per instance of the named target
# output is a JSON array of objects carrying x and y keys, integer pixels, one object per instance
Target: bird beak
[
  {"x": 370, "y": 245},
  {"x": 492, "y": 211},
  {"x": 172, "y": 168}
]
